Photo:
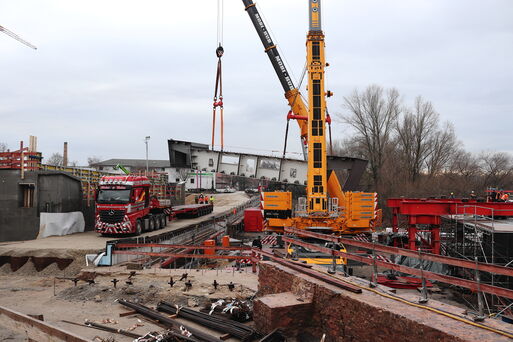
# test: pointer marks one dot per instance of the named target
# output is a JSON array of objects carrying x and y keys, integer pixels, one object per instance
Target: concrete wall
[
  {"x": 58, "y": 193},
  {"x": 53, "y": 192},
  {"x": 16, "y": 222}
]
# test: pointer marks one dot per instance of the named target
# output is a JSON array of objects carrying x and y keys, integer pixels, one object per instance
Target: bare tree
[
  {"x": 93, "y": 160},
  {"x": 349, "y": 147},
  {"x": 55, "y": 159},
  {"x": 3, "y": 147},
  {"x": 497, "y": 168},
  {"x": 442, "y": 148},
  {"x": 183, "y": 174},
  {"x": 415, "y": 133},
  {"x": 373, "y": 113}
]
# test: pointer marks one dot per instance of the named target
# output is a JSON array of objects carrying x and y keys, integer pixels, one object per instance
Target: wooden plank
[{"x": 35, "y": 329}]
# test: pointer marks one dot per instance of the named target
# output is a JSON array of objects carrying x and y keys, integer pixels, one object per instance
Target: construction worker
[
  {"x": 200, "y": 199},
  {"x": 452, "y": 195},
  {"x": 499, "y": 196},
  {"x": 206, "y": 200},
  {"x": 505, "y": 197},
  {"x": 493, "y": 196},
  {"x": 257, "y": 243},
  {"x": 212, "y": 199},
  {"x": 472, "y": 195}
]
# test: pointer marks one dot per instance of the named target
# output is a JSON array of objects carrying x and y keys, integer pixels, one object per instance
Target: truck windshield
[{"x": 113, "y": 196}]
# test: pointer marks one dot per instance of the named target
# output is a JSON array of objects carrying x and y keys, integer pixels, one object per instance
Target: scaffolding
[{"x": 484, "y": 235}]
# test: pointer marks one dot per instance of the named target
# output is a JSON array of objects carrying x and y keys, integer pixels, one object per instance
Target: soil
[{"x": 97, "y": 302}]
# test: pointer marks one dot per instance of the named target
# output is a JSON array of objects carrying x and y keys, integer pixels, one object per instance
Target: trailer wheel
[
  {"x": 151, "y": 224},
  {"x": 138, "y": 227},
  {"x": 162, "y": 221}
]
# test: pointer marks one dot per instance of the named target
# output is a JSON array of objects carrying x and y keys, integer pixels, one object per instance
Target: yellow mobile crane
[{"x": 326, "y": 206}]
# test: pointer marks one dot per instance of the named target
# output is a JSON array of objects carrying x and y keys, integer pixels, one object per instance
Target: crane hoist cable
[
  {"x": 18, "y": 38},
  {"x": 218, "y": 92},
  {"x": 290, "y": 115}
]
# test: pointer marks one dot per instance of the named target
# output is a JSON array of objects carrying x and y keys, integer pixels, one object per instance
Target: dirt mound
[{"x": 77, "y": 257}]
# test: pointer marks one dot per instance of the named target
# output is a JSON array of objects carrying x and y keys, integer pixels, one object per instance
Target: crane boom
[
  {"x": 317, "y": 171},
  {"x": 18, "y": 38},
  {"x": 292, "y": 93}
]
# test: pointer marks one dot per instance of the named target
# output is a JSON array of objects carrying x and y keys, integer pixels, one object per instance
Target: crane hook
[{"x": 219, "y": 51}]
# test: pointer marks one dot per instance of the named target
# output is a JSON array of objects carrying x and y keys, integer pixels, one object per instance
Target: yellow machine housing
[{"x": 277, "y": 206}]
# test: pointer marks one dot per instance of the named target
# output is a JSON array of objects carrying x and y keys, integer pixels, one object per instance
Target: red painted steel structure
[
  {"x": 430, "y": 211},
  {"x": 472, "y": 285},
  {"x": 496, "y": 269},
  {"x": 469, "y": 284},
  {"x": 255, "y": 253}
]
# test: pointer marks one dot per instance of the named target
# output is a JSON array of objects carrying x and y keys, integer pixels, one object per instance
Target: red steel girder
[
  {"x": 472, "y": 285},
  {"x": 163, "y": 245},
  {"x": 507, "y": 271},
  {"x": 440, "y": 207},
  {"x": 200, "y": 256}
]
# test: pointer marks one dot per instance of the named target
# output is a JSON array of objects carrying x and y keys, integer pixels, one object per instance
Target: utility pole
[
  {"x": 15, "y": 36},
  {"x": 146, "y": 139}
]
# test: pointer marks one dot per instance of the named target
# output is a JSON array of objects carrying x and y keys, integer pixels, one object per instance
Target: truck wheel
[
  {"x": 138, "y": 227},
  {"x": 151, "y": 223},
  {"x": 162, "y": 221}
]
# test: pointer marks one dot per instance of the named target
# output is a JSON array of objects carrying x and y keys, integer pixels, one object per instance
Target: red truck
[{"x": 133, "y": 204}]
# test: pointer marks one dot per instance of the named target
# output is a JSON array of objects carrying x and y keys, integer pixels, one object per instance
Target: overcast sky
[{"x": 108, "y": 73}]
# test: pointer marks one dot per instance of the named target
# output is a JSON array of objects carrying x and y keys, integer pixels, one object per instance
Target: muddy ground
[{"x": 97, "y": 302}]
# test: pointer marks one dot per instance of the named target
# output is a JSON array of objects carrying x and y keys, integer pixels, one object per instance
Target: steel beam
[
  {"x": 163, "y": 245},
  {"x": 507, "y": 271},
  {"x": 472, "y": 285},
  {"x": 35, "y": 329},
  {"x": 198, "y": 256}
]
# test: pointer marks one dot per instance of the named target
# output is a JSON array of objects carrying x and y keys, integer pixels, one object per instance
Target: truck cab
[{"x": 124, "y": 206}]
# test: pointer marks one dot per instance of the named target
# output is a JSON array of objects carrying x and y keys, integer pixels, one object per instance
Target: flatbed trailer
[{"x": 192, "y": 210}]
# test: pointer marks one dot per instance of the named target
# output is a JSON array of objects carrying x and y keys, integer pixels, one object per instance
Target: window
[
  {"x": 293, "y": 173},
  {"x": 27, "y": 195},
  {"x": 192, "y": 180},
  {"x": 211, "y": 162}
]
